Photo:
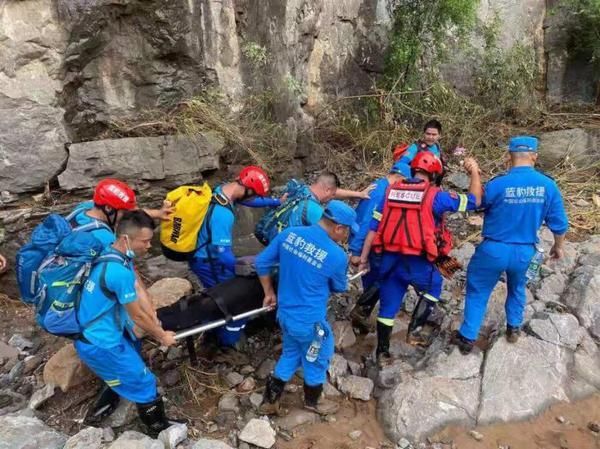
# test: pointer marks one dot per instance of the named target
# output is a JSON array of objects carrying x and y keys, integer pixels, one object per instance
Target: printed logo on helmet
[
  {"x": 263, "y": 180},
  {"x": 119, "y": 193}
]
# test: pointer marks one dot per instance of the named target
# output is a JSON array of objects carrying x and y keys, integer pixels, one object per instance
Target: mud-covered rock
[{"x": 168, "y": 291}]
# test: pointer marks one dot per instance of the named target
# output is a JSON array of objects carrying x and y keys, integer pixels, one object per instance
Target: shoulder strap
[{"x": 105, "y": 259}]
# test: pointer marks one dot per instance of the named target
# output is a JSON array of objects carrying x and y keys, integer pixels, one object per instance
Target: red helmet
[
  {"x": 114, "y": 193},
  {"x": 255, "y": 178},
  {"x": 428, "y": 162}
]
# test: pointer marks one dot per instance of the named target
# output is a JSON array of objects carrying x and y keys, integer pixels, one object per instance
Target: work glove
[{"x": 448, "y": 266}]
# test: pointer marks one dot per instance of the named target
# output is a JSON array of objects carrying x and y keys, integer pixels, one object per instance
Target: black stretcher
[{"x": 214, "y": 306}]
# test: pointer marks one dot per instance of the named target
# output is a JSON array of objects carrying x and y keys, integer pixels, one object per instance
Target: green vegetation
[
  {"x": 505, "y": 79},
  {"x": 584, "y": 30},
  {"x": 420, "y": 26},
  {"x": 255, "y": 53}
]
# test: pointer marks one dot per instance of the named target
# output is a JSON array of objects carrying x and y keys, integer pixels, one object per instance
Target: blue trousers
[
  {"x": 372, "y": 276},
  {"x": 121, "y": 368},
  {"x": 490, "y": 260},
  {"x": 397, "y": 272},
  {"x": 231, "y": 333},
  {"x": 296, "y": 341}
]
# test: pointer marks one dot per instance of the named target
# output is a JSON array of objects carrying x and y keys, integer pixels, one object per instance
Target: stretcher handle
[
  {"x": 352, "y": 277},
  {"x": 219, "y": 323}
]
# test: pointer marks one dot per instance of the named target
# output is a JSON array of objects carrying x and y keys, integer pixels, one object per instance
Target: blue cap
[
  {"x": 400, "y": 168},
  {"x": 519, "y": 144},
  {"x": 341, "y": 213}
]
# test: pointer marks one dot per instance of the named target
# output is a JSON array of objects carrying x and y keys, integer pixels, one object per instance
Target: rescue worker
[
  {"x": 407, "y": 227},
  {"x": 515, "y": 205},
  {"x": 111, "y": 199},
  {"x": 432, "y": 133},
  {"x": 312, "y": 266},
  {"x": 303, "y": 205},
  {"x": 214, "y": 261},
  {"x": 364, "y": 213},
  {"x": 109, "y": 303}
]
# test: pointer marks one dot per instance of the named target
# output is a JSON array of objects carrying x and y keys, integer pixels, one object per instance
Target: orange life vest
[{"x": 408, "y": 226}]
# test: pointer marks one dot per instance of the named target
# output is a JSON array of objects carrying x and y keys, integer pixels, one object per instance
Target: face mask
[{"x": 129, "y": 252}]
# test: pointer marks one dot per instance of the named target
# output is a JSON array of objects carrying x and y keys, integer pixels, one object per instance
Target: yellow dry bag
[{"x": 179, "y": 235}]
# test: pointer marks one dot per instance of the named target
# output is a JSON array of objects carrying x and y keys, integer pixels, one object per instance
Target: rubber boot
[
  {"x": 315, "y": 403},
  {"x": 152, "y": 415},
  {"x": 465, "y": 346},
  {"x": 384, "y": 333},
  {"x": 273, "y": 392},
  {"x": 363, "y": 309},
  {"x": 513, "y": 333},
  {"x": 106, "y": 403}
]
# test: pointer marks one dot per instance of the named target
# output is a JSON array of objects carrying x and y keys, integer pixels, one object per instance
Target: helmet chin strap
[{"x": 111, "y": 217}]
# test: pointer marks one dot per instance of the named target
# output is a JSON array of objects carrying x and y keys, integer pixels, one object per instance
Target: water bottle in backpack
[{"x": 315, "y": 347}]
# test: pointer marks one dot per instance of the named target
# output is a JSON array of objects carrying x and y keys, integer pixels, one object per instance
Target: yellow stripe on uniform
[
  {"x": 464, "y": 200},
  {"x": 386, "y": 321},
  {"x": 377, "y": 215},
  {"x": 113, "y": 383}
]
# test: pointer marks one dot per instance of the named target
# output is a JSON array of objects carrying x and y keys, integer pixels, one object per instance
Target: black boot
[
  {"x": 513, "y": 333},
  {"x": 465, "y": 346},
  {"x": 152, "y": 415},
  {"x": 106, "y": 403},
  {"x": 384, "y": 333},
  {"x": 314, "y": 402},
  {"x": 273, "y": 392},
  {"x": 420, "y": 315},
  {"x": 363, "y": 309}
]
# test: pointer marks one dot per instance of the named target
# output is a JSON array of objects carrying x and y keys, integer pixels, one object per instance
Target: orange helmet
[
  {"x": 115, "y": 194},
  {"x": 255, "y": 178},
  {"x": 428, "y": 162}
]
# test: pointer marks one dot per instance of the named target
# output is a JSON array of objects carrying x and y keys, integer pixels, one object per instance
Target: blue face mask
[{"x": 129, "y": 252}]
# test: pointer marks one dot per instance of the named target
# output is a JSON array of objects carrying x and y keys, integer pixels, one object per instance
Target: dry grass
[{"x": 353, "y": 135}]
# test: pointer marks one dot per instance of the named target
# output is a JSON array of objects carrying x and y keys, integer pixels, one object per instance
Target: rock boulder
[
  {"x": 66, "y": 370},
  {"x": 521, "y": 379},
  {"x": 22, "y": 432},
  {"x": 168, "y": 290},
  {"x": 175, "y": 159}
]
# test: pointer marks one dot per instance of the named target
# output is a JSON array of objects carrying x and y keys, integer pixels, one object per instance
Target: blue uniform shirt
[
  {"x": 442, "y": 203},
  {"x": 311, "y": 267},
  {"x": 364, "y": 213},
  {"x": 105, "y": 236},
  {"x": 104, "y": 318},
  {"x": 220, "y": 223},
  {"x": 517, "y": 203},
  {"x": 314, "y": 212},
  {"x": 410, "y": 154}
]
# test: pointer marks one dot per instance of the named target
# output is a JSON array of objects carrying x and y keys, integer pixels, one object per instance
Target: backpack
[
  {"x": 179, "y": 235},
  {"x": 277, "y": 219},
  {"x": 44, "y": 240},
  {"x": 408, "y": 225},
  {"x": 61, "y": 280}
]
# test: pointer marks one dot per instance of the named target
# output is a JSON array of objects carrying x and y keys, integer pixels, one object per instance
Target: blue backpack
[
  {"x": 277, "y": 219},
  {"x": 61, "y": 280},
  {"x": 45, "y": 238}
]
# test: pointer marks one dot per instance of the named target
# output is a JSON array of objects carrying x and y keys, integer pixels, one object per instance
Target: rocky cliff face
[{"x": 68, "y": 68}]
